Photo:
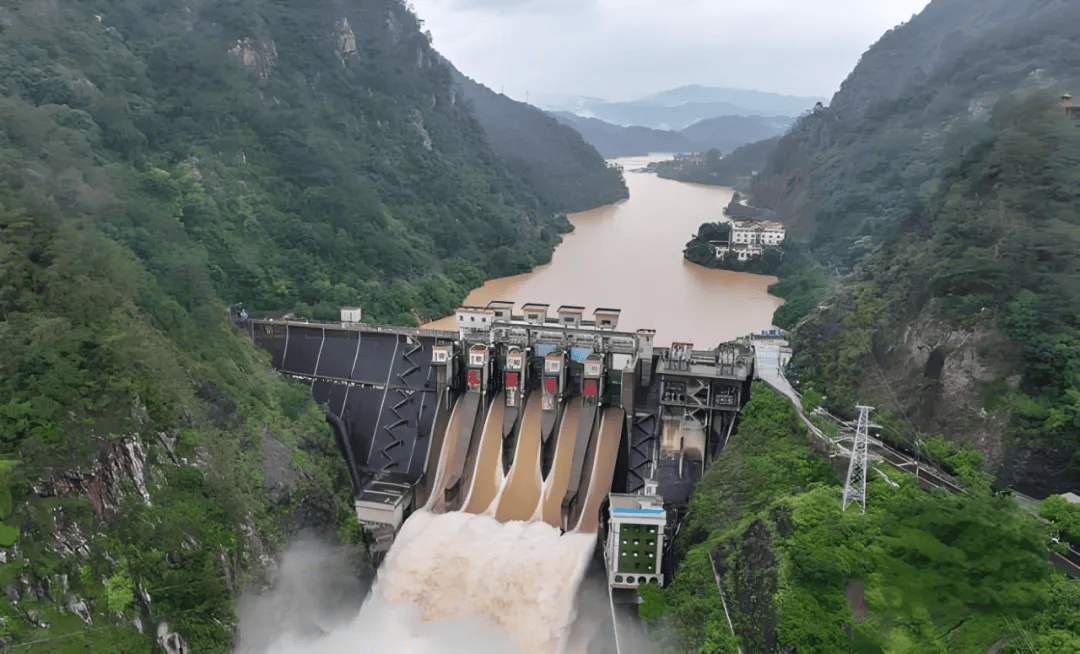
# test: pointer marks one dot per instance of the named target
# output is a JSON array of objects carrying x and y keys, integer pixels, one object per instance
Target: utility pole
[{"x": 855, "y": 484}]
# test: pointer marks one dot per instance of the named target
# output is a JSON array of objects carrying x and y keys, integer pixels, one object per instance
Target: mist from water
[{"x": 453, "y": 583}]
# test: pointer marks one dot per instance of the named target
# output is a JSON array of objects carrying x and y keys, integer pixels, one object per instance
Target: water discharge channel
[{"x": 489, "y": 567}]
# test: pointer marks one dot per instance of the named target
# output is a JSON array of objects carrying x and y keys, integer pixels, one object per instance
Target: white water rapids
[{"x": 459, "y": 583}]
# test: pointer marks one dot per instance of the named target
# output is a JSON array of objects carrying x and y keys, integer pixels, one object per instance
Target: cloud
[
  {"x": 525, "y": 6},
  {"x": 623, "y": 49}
]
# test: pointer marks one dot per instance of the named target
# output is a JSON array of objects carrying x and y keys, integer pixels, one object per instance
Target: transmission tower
[{"x": 855, "y": 484}]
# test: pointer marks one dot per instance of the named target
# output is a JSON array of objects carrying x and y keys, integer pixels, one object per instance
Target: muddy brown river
[{"x": 628, "y": 256}]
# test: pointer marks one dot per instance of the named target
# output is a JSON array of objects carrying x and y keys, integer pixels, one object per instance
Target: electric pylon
[{"x": 855, "y": 484}]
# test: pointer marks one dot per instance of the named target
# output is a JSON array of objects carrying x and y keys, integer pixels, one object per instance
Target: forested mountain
[
  {"x": 725, "y": 133},
  {"x": 937, "y": 279},
  {"x": 554, "y": 160},
  {"x": 941, "y": 185},
  {"x": 159, "y": 160},
  {"x": 751, "y": 102},
  {"x": 733, "y": 169},
  {"x": 618, "y": 141},
  {"x": 679, "y": 108},
  {"x": 729, "y": 132}
]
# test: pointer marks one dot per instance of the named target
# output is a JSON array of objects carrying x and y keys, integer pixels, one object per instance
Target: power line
[{"x": 855, "y": 483}]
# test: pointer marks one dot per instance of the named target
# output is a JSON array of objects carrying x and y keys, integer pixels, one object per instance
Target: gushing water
[
  {"x": 521, "y": 577},
  {"x": 460, "y": 583}
]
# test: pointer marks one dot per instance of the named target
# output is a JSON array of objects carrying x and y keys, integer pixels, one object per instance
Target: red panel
[
  {"x": 590, "y": 388},
  {"x": 474, "y": 379},
  {"x": 511, "y": 380},
  {"x": 551, "y": 385}
]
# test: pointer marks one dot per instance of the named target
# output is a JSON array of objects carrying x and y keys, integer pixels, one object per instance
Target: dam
[{"x": 526, "y": 414}]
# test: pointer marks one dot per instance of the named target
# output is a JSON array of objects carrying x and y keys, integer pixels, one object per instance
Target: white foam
[
  {"x": 520, "y": 577},
  {"x": 455, "y": 583}
]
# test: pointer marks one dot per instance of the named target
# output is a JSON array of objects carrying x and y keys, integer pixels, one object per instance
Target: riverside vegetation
[
  {"x": 945, "y": 209},
  {"x": 158, "y": 162},
  {"x": 918, "y": 572},
  {"x": 936, "y": 199}
]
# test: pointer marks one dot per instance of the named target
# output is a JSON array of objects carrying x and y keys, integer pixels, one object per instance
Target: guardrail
[{"x": 352, "y": 326}]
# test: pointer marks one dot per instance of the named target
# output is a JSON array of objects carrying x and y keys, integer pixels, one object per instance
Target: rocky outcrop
[
  {"x": 393, "y": 27},
  {"x": 938, "y": 375},
  {"x": 264, "y": 567},
  {"x": 945, "y": 379},
  {"x": 171, "y": 642},
  {"x": 280, "y": 477},
  {"x": 257, "y": 56},
  {"x": 416, "y": 119},
  {"x": 68, "y": 539},
  {"x": 346, "y": 41},
  {"x": 122, "y": 459}
]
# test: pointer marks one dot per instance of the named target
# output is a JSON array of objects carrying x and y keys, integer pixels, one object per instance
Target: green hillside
[
  {"x": 938, "y": 193},
  {"x": 935, "y": 207},
  {"x": 160, "y": 160},
  {"x": 916, "y": 573}
]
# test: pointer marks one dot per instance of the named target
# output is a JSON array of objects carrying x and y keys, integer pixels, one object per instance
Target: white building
[
  {"x": 757, "y": 232},
  {"x": 474, "y": 322},
  {"x": 749, "y": 238},
  {"x": 634, "y": 550}
]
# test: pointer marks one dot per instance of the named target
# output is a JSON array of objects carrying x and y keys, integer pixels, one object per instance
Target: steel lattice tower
[{"x": 855, "y": 484}]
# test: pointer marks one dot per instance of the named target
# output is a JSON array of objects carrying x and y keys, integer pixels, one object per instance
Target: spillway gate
[{"x": 413, "y": 413}]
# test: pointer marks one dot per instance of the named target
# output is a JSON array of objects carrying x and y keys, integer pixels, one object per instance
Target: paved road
[{"x": 769, "y": 369}]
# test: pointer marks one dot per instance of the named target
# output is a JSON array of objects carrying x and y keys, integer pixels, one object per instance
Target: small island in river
[{"x": 747, "y": 242}]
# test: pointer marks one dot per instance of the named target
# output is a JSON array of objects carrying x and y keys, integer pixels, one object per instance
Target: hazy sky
[{"x": 623, "y": 49}]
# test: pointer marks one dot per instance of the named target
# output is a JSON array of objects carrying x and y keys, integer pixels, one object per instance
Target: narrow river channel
[{"x": 628, "y": 256}]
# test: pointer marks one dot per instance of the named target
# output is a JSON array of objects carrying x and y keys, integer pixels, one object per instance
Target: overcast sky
[{"x": 624, "y": 49}]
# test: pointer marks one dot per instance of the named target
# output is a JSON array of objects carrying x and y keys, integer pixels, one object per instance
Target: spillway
[
  {"x": 427, "y": 421},
  {"x": 607, "y": 451},
  {"x": 558, "y": 479},
  {"x": 520, "y": 497},
  {"x": 488, "y": 474},
  {"x": 453, "y": 429},
  {"x": 458, "y": 583}
]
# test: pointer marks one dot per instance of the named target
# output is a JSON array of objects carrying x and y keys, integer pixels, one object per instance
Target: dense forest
[
  {"x": 938, "y": 195},
  {"x": 566, "y": 172},
  {"x": 936, "y": 206},
  {"x": 917, "y": 572},
  {"x": 713, "y": 167},
  {"x": 159, "y": 161},
  {"x": 722, "y": 133}
]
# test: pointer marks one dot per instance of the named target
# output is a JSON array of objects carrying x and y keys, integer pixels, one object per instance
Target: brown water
[
  {"x": 559, "y": 477},
  {"x": 463, "y": 574},
  {"x": 607, "y": 450},
  {"x": 437, "y": 500},
  {"x": 520, "y": 497},
  {"x": 488, "y": 474},
  {"x": 629, "y": 256}
]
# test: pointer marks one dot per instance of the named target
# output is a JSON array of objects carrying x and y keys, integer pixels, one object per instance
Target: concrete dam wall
[{"x": 521, "y": 419}]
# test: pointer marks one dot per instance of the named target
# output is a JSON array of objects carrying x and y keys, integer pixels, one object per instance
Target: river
[{"x": 628, "y": 256}]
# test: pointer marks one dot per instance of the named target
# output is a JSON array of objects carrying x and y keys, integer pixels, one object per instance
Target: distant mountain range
[
  {"x": 679, "y": 108},
  {"x": 722, "y": 132}
]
